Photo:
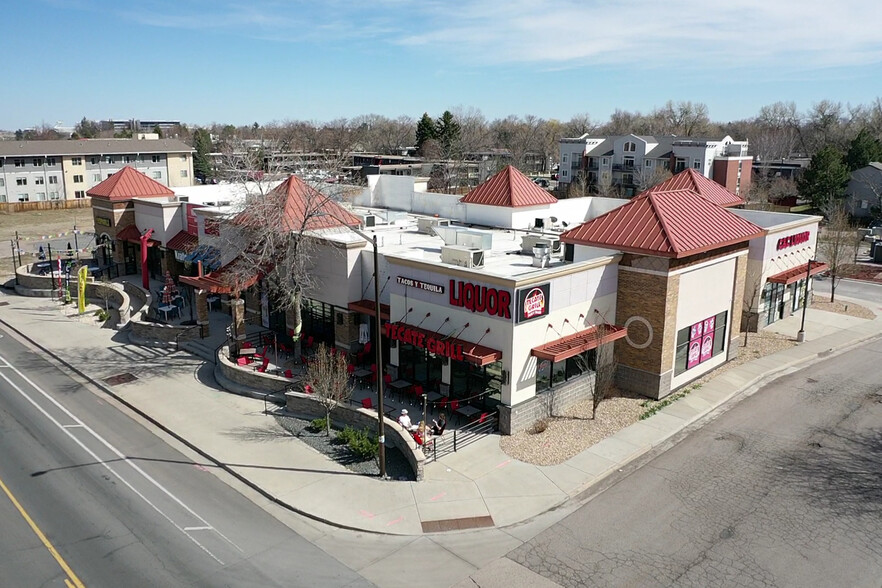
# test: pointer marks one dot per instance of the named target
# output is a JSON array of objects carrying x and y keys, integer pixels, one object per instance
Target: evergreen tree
[
  {"x": 824, "y": 180},
  {"x": 447, "y": 132},
  {"x": 862, "y": 150},
  {"x": 425, "y": 131},
  {"x": 201, "y": 159},
  {"x": 87, "y": 129},
  {"x": 157, "y": 130}
]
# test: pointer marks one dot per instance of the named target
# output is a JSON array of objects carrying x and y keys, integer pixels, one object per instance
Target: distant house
[{"x": 864, "y": 191}]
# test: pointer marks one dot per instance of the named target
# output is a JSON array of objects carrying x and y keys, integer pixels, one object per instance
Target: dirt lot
[{"x": 33, "y": 225}]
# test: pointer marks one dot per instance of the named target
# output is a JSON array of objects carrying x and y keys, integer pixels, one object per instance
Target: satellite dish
[
  {"x": 565, "y": 224},
  {"x": 554, "y": 219}
]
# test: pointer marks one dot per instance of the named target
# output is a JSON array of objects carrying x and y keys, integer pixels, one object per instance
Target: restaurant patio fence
[{"x": 458, "y": 438}]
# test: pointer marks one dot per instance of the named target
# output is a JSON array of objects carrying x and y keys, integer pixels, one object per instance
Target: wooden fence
[{"x": 13, "y": 207}]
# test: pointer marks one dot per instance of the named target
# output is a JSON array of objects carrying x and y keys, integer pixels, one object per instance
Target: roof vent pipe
[{"x": 541, "y": 255}]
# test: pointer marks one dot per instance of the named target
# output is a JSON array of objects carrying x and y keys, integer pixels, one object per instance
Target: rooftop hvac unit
[
  {"x": 368, "y": 220},
  {"x": 462, "y": 256},
  {"x": 530, "y": 241},
  {"x": 425, "y": 225}
]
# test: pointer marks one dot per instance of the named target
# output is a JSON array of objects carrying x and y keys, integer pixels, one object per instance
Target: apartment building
[
  {"x": 632, "y": 163},
  {"x": 33, "y": 171}
]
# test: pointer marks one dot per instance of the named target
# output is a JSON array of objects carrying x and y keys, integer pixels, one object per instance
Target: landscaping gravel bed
[{"x": 397, "y": 467}]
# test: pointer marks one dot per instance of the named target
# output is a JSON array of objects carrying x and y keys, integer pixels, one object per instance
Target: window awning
[
  {"x": 183, "y": 241},
  {"x": 572, "y": 345},
  {"x": 369, "y": 308},
  {"x": 441, "y": 344},
  {"x": 132, "y": 234},
  {"x": 797, "y": 273},
  {"x": 229, "y": 279},
  {"x": 208, "y": 255}
]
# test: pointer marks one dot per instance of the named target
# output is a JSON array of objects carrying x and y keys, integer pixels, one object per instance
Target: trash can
[{"x": 877, "y": 251}]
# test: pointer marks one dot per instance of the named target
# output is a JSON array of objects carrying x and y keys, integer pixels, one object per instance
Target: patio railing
[{"x": 456, "y": 439}]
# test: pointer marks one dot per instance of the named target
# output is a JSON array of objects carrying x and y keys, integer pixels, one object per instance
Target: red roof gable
[
  {"x": 509, "y": 188},
  {"x": 676, "y": 223},
  {"x": 129, "y": 183},
  {"x": 689, "y": 179},
  {"x": 305, "y": 208}
]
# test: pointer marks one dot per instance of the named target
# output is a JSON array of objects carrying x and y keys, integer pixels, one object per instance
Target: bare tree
[
  {"x": 750, "y": 307},
  {"x": 327, "y": 374},
  {"x": 604, "y": 368},
  {"x": 838, "y": 246},
  {"x": 647, "y": 177}
]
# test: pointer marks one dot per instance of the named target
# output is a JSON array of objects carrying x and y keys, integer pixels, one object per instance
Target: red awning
[
  {"x": 132, "y": 234},
  {"x": 471, "y": 352},
  {"x": 232, "y": 277},
  {"x": 797, "y": 273},
  {"x": 574, "y": 344},
  {"x": 183, "y": 241},
  {"x": 369, "y": 308}
]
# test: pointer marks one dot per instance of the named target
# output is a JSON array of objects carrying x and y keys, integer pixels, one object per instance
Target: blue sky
[{"x": 204, "y": 61}]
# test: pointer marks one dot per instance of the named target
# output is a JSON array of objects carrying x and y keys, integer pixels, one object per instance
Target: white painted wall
[
  {"x": 704, "y": 292},
  {"x": 338, "y": 275}
]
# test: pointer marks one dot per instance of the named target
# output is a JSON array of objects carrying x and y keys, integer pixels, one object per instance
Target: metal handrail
[{"x": 441, "y": 446}]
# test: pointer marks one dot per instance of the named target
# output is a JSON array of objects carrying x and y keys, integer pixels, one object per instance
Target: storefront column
[
  {"x": 446, "y": 376},
  {"x": 202, "y": 312},
  {"x": 163, "y": 261},
  {"x": 237, "y": 305},
  {"x": 345, "y": 329}
]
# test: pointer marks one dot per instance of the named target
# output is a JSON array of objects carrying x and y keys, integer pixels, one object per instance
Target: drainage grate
[
  {"x": 124, "y": 378},
  {"x": 457, "y": 524}
]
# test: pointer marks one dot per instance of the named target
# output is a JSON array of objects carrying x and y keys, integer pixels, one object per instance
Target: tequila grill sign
[{"x": 533, "y": 302}]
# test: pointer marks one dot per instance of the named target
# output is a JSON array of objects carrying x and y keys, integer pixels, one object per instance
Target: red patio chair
[
  {"x": 367, "y": 403},
  {"x": 307, "y": 389},
  {"x": 289, "y": 374},
  {"x": 309, "y": 341},
  {"x": 243, "y": 361},
  {"x": 350, "y": 369},
  {"x": 483, "y": 417},
  {"x": 262, "y": 367},
  {"x": 303, "y": 360},
  {"x": 247, "y": 345},
  {"x": 333, "y": 352},
  {"x": 417, "y": 437},
  {"x": 442, "y": 404},
  {"x": 364, "y": 353}
]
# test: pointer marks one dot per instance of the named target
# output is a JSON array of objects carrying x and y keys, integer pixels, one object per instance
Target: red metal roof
[
  {"x": 676, "y": 223},
  {"x": 509, "y": 188},
  {"x": 229, "y": 279},
  {"x": 129, "y": 183},
  {"x": 183, "y": 241},
  {"x": 797, "y": 273},
  {"x": 574, "y": 344},
  {"x": 690, "y": 179},
  {"x": 305, "y": 208}
]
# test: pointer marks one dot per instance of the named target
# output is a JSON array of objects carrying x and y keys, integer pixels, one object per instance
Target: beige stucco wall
[
  {"x": 178, "y": 162},
  {"x": 69, "y": 170}
]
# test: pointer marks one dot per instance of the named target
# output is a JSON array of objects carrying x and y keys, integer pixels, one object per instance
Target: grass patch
[{"x": 653, "y": 406}]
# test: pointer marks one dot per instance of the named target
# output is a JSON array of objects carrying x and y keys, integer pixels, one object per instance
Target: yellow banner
[{"x": 81, "y": 288}]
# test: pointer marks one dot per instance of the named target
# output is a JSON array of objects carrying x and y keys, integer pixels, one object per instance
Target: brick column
[
  {"x": 202, "y": 312},
  {"x": 237, "y": 305}
]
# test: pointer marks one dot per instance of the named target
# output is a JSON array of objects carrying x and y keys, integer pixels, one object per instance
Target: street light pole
[
  {"x": 381, "y": 415},
  {"x": 800, "y": 336}
]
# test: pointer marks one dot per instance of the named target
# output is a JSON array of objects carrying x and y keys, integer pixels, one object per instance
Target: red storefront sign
[
  {"x": 423, "y": 340},
  {"x": 480, "y": 299},
  {"x": 192, "y": 229},
  {"x": 790, "y": 241}
]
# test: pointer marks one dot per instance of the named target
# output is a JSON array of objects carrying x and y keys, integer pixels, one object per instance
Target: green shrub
[
  {"x": 363, "y": 445},
  {"x": 345, "y": 436},
  {"x": 317, "y": 425}
]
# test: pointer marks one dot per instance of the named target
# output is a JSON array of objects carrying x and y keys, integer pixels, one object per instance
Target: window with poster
[{"x": 700, "y": 342}]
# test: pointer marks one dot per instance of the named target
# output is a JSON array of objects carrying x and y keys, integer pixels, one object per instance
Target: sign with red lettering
[
  {"x": 533, "y": 302},
  {"x": 432, "y": 343},
  {"x": 480, "y": 299},
  {"x": 790, "y": 241}
]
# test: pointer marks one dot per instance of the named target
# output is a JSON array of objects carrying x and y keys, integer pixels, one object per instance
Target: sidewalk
[{"x": 177, "y": 391}]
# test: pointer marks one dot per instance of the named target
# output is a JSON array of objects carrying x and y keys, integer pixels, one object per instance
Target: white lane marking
[
  {"x": 198, "y": 528},
  {"x": 72, "y": 426},
  {"x": 119, "y": 454}
]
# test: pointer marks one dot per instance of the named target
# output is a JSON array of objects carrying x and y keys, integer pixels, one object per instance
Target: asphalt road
[
  {"x": 89, "y": 497},
  {"x": 783, "y": 489},
  {"x": 849, "y": 288}
]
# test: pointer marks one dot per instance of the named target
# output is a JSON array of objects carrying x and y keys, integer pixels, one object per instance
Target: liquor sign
[
  {"x": 102, "y": 220},
  {"x": 412, "y": 283},
  {"x": 480, "y": 299},
  {"x": 791, "y": 240},
  {"x": 533, "y": 302},
  {"x": 431, "y": 343}
]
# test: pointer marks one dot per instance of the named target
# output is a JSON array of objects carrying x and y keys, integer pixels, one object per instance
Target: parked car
[{"x": 541, "y": 182}]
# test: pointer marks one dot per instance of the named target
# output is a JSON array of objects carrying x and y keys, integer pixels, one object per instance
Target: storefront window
[
  {"x": 415, "y": 364},
  {"x": 550, "y": 374},
  {"x": 472, "y": 382},
  {"x": 700, "y": 342},
  {"x": 318, "y": 321}
]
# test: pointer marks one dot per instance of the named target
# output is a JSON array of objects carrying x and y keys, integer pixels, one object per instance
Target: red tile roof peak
[
  {"x": 509, "y": 188},
  {"x": 129, "y": 183}
]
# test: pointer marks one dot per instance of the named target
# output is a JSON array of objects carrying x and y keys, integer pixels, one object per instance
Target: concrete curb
[{"x": 100, "y": 385}]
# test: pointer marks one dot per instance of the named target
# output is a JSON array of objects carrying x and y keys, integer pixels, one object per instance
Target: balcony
[{"x": 624, "y": 167}]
